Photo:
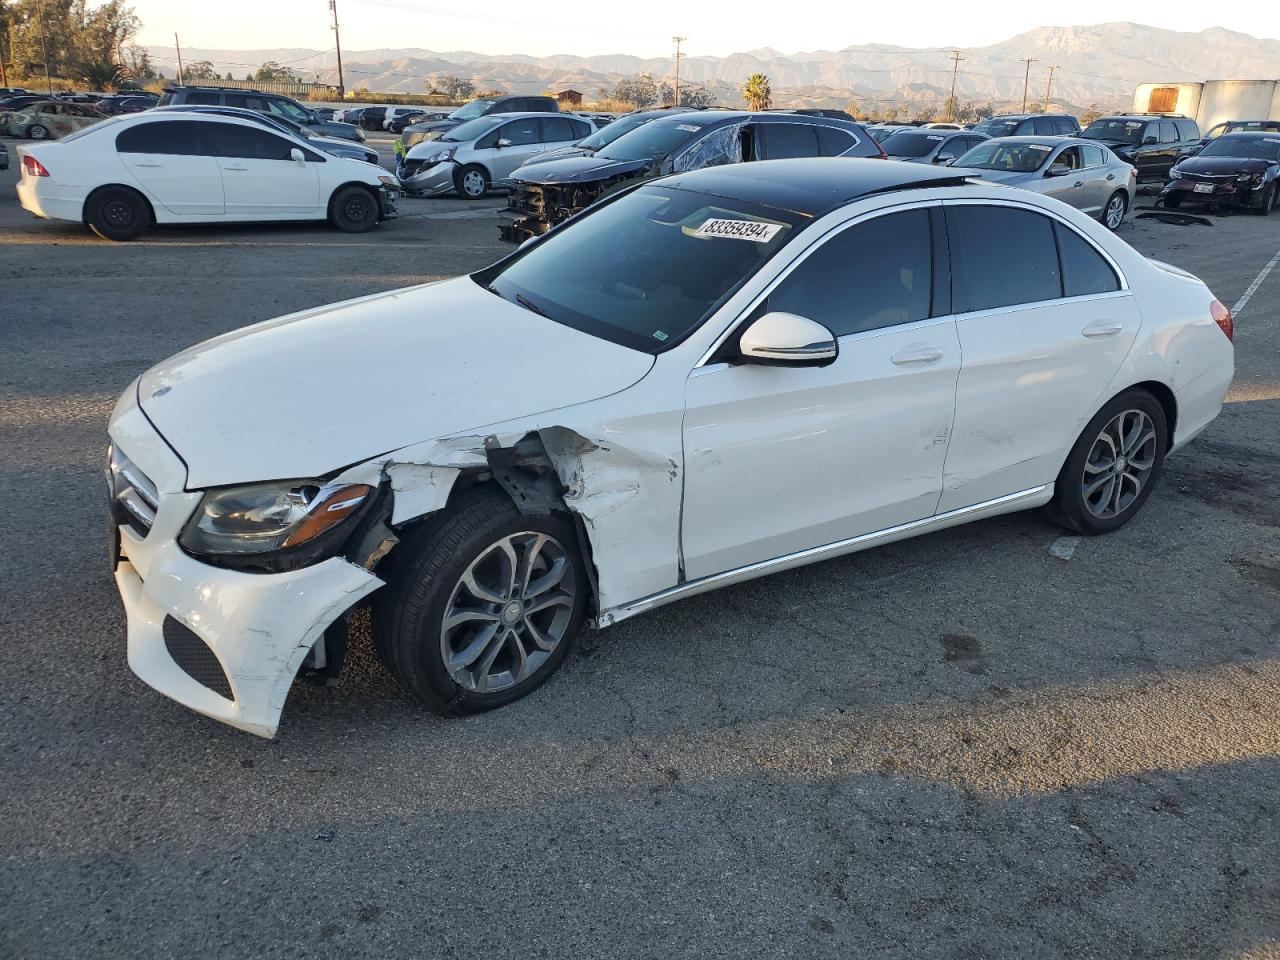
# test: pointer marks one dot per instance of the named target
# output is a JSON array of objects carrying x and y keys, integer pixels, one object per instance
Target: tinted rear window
[
  {"x": 1084, "y": 272},
  {"x": 784, "y": 141},
  {"x": 832, "y": 141},
  {"x": 908, "y": 143},
  {"x": 1002, "y": 257}
]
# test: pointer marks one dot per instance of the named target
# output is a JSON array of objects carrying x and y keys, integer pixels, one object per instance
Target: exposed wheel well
[
  {"x": 84, "y": 211},
  {"x": 1168, "y": 403}
]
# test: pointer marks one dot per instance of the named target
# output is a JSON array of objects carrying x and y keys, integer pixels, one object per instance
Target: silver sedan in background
[{"x": 1082, "y": 173}]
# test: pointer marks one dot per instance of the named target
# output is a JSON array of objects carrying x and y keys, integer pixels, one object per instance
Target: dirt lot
[{"x": 958, "y": 746}]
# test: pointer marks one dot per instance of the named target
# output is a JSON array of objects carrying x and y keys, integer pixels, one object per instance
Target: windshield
[
  {"x": 904, "y": 143},
  {"x": 653, "y": 140},
  {"x": 606, "y": 135},
  {"x": 473, "y": 129},
  {"x": 647, "y": 268},
  {"x": 1247, "y": 147},
  {"x": 998, "y": 126},
  {"x": 1126, "y": 131},
  {"x": 469, "y": 111},
  {"x": 1008, "y": 157},
  {"x": 288, "y": 110}
]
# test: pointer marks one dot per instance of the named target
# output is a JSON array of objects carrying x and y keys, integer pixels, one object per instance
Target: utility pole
[
  {"x": 678, "y": 41},
  {"x": 951, "y": 100},
  {"x": 4, "y": 39},
  {"x": 1048, "y": 88},
  {"x": 178, "y": 48},
  {"x": 337, "y": 42},
  {"x": 44, "y": 48},
  {"x": 1026, "y": 81}
]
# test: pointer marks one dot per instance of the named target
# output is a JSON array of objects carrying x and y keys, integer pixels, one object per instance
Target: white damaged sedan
[{"x": 705, "y": 379}]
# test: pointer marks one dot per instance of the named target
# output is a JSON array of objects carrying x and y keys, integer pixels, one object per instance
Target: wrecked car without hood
[
  {"x": 700, "y": 381},
  {"x": 549, "y": 193}
]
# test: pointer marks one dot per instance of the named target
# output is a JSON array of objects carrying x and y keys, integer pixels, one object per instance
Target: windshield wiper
[{"x": 530, "y": 305}]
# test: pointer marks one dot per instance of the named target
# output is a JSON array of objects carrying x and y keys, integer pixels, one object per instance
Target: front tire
[
  {"x": 1267, "y": 202},
  {"x": 353, "y": 210},
  {"x": 117, "y": 213},
  {"x": 1113, "y": 466},
  {"x": 471, "y": 182},
  {"x": 482, "y": 606},
  {"x": 1116, "y": 208}
]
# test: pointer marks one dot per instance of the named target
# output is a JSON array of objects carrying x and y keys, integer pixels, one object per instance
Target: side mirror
[
  {"x": 1057, "y": 171},
  {"x": 503, "y": 142},
  {"x": 786, "y": 340},
  {"x": 946, "y": 157},
  {"x": 297, "y": 156}
]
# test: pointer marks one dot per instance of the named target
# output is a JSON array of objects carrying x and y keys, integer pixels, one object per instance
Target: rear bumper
[{"x": 36, "y": 196}]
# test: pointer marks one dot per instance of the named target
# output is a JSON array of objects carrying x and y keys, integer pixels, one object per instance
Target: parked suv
[
  {"x": 548, "y": 193},
  {"x": 417, "y": 132},
  {"x": 271, "y": 103},
  {"x": 1151, "y": 143},
  {"x": 485, "y": 151},
  {"x": 1030, "y": 124}
]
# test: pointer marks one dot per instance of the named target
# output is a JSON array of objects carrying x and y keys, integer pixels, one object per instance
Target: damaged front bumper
[
  {"x": 1220, "y": 191},
  {"x": 427, "y": 181},
  {"x": 225, "y": 643}
]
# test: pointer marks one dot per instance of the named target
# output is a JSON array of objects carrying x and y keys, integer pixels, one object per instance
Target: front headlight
[
  {"x": 439, "y": 156},
  {"x": 269, "y": 517},
  {"x": 388, "y": 181}
]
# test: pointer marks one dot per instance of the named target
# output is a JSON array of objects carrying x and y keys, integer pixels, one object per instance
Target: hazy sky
[{"x": 645, "y": 27}]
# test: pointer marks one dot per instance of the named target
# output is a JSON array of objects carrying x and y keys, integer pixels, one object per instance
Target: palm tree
[
  {"x": 757, "y": 93},
  {"x": 101, "y": 75}
]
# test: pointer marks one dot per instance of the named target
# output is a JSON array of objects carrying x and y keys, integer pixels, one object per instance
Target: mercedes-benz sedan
[{"x": 698, "y": 381}]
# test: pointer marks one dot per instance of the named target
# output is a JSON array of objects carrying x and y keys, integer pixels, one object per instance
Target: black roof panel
[{"x": 811, "y": 186}]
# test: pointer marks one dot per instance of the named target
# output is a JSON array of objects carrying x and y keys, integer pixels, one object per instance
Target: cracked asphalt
[{"x": 957, "y": 746}]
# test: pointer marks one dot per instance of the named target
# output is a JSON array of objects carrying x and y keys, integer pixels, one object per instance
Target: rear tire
[
  {"x": 354, "y": 210},
  {"x": 461, "y": 626},
  {"x": 1113, "y": 213},
  {"x": 471, "y": 182},
  {"x": 117, "y": 213},
  {"x": 1113, "y": 466},
  {"x": 38, "y": 131}
]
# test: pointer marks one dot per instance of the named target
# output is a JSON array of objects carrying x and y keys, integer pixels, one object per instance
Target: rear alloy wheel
[
  {"x": 472, "y": 182},
  {"x": 117, "y": 213},
  {"x": 38, "y": 131},
  {"x": 354, "y": 210},
  {"x": 1113, "y": 465},
  {"x": 1267, "y": 202},
  {"x": 482, "y": 606},
  {"x": 1117, "y": 206}
]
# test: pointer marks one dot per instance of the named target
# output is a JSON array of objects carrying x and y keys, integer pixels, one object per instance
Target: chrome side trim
[{"x": 1023, "y": 499}]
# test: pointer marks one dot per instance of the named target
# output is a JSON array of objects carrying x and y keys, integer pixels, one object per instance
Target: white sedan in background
[
  {"x": 713, "y": 377},
  {"x": 126, "y": 173}
]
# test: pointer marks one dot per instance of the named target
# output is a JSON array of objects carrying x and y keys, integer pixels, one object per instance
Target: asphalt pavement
[{"x": 989, "y": 742}]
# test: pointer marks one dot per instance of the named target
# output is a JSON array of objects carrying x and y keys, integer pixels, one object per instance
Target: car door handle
[
  {"x": 229, "y": 167},
  {"x": 1111, "y": 176},
  {"x": 1102, "y": 328},
  {"x": 1079, "y": 183},
  {"x": 146, "y": 163},
  {"x": 917, "y": 354}
]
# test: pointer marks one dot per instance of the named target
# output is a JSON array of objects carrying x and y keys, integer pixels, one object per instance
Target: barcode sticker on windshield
[
  {"x": 687, "y": 127},
  {"x": 739, "y": 230},
  {"x": 1040, "y": 147}
]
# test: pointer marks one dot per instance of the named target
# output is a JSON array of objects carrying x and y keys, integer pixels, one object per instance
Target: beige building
[{"x": 1212, "y": 101}]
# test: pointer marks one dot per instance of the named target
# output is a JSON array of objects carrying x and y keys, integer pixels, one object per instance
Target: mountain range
[{"x": 1094, "y": 65}]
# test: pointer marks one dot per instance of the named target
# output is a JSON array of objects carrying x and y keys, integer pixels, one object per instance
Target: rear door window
[
  {"x": 1093, "y": 155},
  {"x": 558, "y": 129},
  {"x": 1084, "y": 272},
  {"x": 1044, "y": 126},
  {"x": 1168, "y": 132},
  {"x": 875, "y": 274},
  {"x": 249, "y": 143},
  {"x": 172, "y": 137},
  {"x": 1001, "y": 257},
  {"x": 202, "y": 97},
  {"x": 786, "y": 140}
]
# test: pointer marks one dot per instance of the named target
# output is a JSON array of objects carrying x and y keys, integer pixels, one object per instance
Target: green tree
[
  {"x": 198, "y": 71},
  {"x": 64, "y": 35},
  {"x": 757, "y": 92},
  {"x": 457, "y": 88},
  {"x": 100, "y": 76},
  {"x": 136, "y": 62},
  {"x": 1090, "y": 115},
  {"x": 696, "y": 97},
  {"x": 272, "y": 72},
  {"x": 640, "y": 90}
]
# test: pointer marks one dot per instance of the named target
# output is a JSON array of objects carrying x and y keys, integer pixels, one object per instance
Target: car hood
[
  {"x": 560, "y": 153},
  {"x": 578, "y": 170},
  {"x": 1222, "y": 166},
  {"x": 307, "y": 394}
]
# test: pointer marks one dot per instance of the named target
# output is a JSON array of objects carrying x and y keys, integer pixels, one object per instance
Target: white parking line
[{"x": 1253, "y": 287}]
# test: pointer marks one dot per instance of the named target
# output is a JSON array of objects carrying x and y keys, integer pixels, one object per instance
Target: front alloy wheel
[{"x": 508, "y": 612}]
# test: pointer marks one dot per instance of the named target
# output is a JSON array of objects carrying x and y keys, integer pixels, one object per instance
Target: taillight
[
  {"x": 33, "y": 167},
  {"x": 1222, "y": 317}
]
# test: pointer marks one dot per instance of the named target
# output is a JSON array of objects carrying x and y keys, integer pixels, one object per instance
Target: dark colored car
[
  {"x": 929, "y": 146},
  {"x": 816, "y": 112},
  {"x": 1151, "y": 143},
  {"x": 272, "y": 104},
  {"x": 18, "y": 101},
  {"x": 1235, "y": 169},
  {"x": 330, "y": 145},
  {"x": 4, "y": 157},
  {"x": 549, "y": 193},
  {"x": 1030, "y": 124},
  {"x": 122, "y": 103},
  {"x": 417, "y": 132},
  {"x": 398, "y": 124},
  {"x": 1240, "y": 126}
]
